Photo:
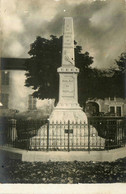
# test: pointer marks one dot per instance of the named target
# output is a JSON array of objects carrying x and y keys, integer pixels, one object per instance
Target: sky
[{"x": 99, "y": 26}]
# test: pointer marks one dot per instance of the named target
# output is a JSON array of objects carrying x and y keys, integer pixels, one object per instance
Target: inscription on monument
[
  {"x": 67, "y": 41},
  {"x": 68, "y": 28},
  {"x": 68, "y": 87}
]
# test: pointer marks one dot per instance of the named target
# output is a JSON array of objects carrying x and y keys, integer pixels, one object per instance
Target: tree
[
  {"x": 115, "y": 84},
  {"x": 121, "y": 62},
  {"x": 42, "y": 73},
  {"x": 119, "y": 77},
  {"x": 108, "y": 83},
  {"x": 42, "y": 67}
]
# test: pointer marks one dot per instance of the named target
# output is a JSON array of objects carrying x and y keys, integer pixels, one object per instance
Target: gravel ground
[{"x": 15, "y": 171}]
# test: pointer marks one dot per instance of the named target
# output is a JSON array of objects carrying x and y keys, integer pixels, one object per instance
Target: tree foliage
[
  {"x": 42, "y": 67},
  {"x": 121, "y": 62},
  {"x": 119, "y": 77},
  {"x": 45, "y": 58}
]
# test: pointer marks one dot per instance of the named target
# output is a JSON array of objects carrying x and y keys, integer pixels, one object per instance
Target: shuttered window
[
  {"x": 31, "y": 103},
  {"x": 112, "y": 109},
  {"x": 118, "y": 110}
]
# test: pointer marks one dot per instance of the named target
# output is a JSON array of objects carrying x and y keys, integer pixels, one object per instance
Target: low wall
[{"x": 32, "y": 156}]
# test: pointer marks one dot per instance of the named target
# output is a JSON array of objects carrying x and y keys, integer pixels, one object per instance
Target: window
[
  {"x": 31, "y": 103},
  {"x": 111, "y": 98},
  {"x": 4, "y": 100},
  {"x": 118, "y": 111},
  {"x": 5, "y": 78},
  {"x": 112, "y": 109}
]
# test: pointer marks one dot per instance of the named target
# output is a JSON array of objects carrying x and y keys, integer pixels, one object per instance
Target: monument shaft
[
  {"x": 68, "y": 72},
  {"x": 68, "y": 107},
  {"x": 68, "y": 43}
]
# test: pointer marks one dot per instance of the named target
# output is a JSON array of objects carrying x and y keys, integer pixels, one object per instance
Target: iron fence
[
  {"x": 100, "y": 133},
  {"x": 113, "y": 129}
]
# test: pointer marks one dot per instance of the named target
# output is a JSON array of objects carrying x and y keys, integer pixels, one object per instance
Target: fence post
[
  {"x": 13, "y": 132},
  {"x": 117, "y": 134},
  {"x": 48, "y": 135},
  {"x": 108, "y": 132},
  {"x": 68, "y": 136},
  {"x": 88, "y": 135}
]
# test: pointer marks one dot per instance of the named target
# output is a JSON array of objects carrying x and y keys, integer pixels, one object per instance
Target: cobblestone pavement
[{"x": 15, "y": 171}]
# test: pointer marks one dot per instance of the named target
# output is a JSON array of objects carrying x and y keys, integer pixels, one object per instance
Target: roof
[{"x": 13, "y": 63}]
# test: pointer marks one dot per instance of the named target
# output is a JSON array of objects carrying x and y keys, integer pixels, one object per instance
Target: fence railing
[
  {"x": 99, "y": 134},
  {"x": 113, "y": 129}
]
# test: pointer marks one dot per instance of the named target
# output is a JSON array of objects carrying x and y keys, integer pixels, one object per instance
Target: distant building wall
[
  {"x": 117, "y": 105},
  {"x": 18, "y": 94},
  {"x": 15, "y": 95},
  {"x": 111, "y": 106}
]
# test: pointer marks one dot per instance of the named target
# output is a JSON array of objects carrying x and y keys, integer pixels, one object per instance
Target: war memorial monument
[{"x": 68, "y": 127}]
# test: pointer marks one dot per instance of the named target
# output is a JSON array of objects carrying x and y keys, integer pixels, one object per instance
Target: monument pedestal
[
  {"x": 63, "y": 114},
  {"x": 74, "y": 115},
  {"x": 68, "y": 107}
]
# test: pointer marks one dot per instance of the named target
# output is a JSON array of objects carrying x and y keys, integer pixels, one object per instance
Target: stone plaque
[
  {"x": 70, "y": 131},
  {"x": 68, "y": 89}
]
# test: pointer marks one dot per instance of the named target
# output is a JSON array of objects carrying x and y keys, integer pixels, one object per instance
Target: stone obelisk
[
  {"x": 60, "y": 136},
  {"x": 68, "y": 107}
]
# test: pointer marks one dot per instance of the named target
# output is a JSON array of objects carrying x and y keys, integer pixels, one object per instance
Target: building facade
[
  {"x": 106, "y": 107},
  {"x": 14, "y": 95}
]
